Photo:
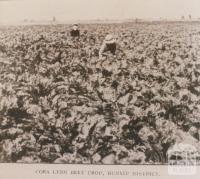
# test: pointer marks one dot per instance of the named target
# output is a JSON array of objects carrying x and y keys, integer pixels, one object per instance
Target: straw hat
[
  {"x": 75, "y": 26},
  {"x": 109, "y": 39}
]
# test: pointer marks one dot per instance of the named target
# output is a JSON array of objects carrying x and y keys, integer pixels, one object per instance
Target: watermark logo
[{"x": 182, "y": 159}]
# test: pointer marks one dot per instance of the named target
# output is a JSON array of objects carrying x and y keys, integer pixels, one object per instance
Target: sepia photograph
[{"x": 100, "y": 82}]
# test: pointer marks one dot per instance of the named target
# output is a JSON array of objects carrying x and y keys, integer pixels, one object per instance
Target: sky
[{"x": 18, "y": 10}]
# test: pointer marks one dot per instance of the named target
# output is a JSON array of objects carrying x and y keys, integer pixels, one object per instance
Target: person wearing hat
[
  {"x": 109, "y": 45},
  {"x": 75, "y": 31}
]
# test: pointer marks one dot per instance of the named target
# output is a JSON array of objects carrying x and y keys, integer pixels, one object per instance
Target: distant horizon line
[{"x": 50, "y": 21}]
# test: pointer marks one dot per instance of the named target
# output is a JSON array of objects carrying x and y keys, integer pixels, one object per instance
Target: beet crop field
[{"x": 60, "y": 103}]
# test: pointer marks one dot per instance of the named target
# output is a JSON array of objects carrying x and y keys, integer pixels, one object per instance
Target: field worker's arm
[
  {"x": 102, "y": 50},
  {"x": 119, "y": 47}
]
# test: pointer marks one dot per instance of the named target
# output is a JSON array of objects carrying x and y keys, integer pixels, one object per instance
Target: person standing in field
[
  {"x": 75, "y": 32},
  {"x": 109, "y": 45}
]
